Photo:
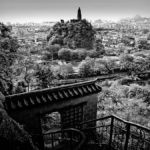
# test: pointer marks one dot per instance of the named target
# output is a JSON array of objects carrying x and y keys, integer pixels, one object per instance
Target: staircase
[
  {"x": 67, "y": 139},
  {"x": 108, "y": 133}
]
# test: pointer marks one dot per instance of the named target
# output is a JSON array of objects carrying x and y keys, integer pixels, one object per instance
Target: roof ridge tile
[{"x": 51, "y": 95}]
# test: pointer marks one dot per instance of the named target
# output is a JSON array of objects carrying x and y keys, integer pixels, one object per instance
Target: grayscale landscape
[{"x": 74, "y": 75}]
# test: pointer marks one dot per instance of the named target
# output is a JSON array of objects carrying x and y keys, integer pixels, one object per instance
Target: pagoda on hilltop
[{"x": 79, "y": 14}]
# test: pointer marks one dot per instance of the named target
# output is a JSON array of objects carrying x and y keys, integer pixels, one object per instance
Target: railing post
[
  {"x": 71, "y": 140},
  {"x": 52, "y": 140},
  {"x": 127, "y": 136},
  {"x": 111, "y": 132}
]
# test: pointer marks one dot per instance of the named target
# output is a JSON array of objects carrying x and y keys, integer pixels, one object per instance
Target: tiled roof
[{"x": 61, "y": 93}]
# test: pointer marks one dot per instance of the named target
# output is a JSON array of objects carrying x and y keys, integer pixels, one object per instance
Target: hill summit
[{"x": 76, "y": 33}]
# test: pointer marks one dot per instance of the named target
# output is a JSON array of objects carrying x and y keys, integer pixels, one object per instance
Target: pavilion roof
[{"x": 51, "y": 95}]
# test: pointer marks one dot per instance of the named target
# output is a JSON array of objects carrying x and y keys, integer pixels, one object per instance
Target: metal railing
[
  {"x": 115, "y": 133},
  {"x": 71, "y": 139}
]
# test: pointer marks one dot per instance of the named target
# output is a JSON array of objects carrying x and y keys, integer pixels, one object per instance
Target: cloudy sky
[{"x": 54, "y": 10}]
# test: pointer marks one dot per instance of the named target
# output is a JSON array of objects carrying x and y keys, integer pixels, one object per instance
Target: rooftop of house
[{"x": 51, "y": 95}]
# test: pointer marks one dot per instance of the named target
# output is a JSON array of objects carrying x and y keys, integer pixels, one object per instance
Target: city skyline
[{"x": 23, "y": 11}]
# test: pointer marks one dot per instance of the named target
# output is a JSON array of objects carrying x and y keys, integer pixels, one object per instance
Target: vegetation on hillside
[
  {"x": 131, "y": 102},
  {"x": 74, "y": 34},
  {"x": 74, "y": 50},
  {"x": 8, "y": 50}
]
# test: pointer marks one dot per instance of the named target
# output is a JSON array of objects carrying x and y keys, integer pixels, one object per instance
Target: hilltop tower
[{"x": 79, "y": 15}]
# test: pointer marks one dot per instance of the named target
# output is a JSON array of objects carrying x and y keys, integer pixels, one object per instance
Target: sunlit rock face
[{"x": 12, "y": 135}]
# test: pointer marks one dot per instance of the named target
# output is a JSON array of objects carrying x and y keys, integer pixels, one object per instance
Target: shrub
[
  {"x": 65, "y": 54},
  {"x": 44, "y": 76},
  {"x": 82, "y": 53},
  {"x": 75, "y": 55},
  {"x": 63, "y": 71},
  {"x": 106, "y": 83},
  {"x": 92, "y": 53},
  {"x": 86, "y": 67},
  {"x": 125, "y": 81}
]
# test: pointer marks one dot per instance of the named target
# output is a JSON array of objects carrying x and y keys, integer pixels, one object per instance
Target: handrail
[
  {"x": 94, "y": 120},
  {"x": 107, "y": 130},
  {"x": 81, "y": 142},
  {"x": 116, "y": 117},
  {"x": 131, "y": 123}
]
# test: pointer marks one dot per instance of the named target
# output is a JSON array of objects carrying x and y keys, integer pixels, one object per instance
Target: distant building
[{"x": 79, "y": 16}]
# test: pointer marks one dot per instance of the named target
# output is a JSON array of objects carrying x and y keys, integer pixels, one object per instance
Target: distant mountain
[
  {"x": 135, "y": 19},
  {"x": 138, "y": 18}
]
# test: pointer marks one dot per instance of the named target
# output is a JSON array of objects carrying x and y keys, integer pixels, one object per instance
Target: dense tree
[
  {"x": 75, "y": 55},
  {"x": 128, "y": 41},
  {"x": 51, "y": 52},
  {"x": 8, "y": 49},
  {"x": 107, "y": 65},
  {"x": 134, "y": 65},
  {"x": 128, "y": 102},
  {"x": 65, "y": 54},
  {"x": 74, "y": 34},
  {"x": 148, "y": 37},
  {"x": 145, "y": 31},
  {"x": 44, "y": 76},
  {"x": 143, "y": 44},
  {"x": 82, "y": 53},
  {"x": 127, "y": 62},
  {"x": 99, "y": 47},
  {"x": 86, "y": 67},
  {"x": 23, "y": 72},
  {"x": 62, "y": 71}
]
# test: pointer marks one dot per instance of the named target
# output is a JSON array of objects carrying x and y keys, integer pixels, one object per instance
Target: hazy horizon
[{"x": 22, "y": 11}]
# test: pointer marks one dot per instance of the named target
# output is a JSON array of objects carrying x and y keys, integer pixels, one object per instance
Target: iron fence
[
  {"x": 72, "y": 139},
  {"x": 115, "y": 133}
]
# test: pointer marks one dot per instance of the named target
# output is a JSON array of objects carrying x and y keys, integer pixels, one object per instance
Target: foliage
[
  {"x": 23, "y": 72},
  {"x": 148, "y": 37},
  {"x": 127, "y": 62},
  {"x": 73, "y": 34},
  {"x": 86, "y": 67},
  {"x": 129, "y": 102},
  {"x": 65, "y": 54},
  {"x": 134, "y": 65},
  {"x": 44, "y": 76},
  {"x": 99, "y": 47},
  {"x": 95, "y": 67},
  {"x": 62, "y": 70},
  {"x": 51, "y": 121},
  {"x": 79, "y": 54},
  {"x": 51, "y": 52},
  {"x": 143, "y": 44},
  {"x": 93, "y": 53},
  {"x": 12, "y": 135},
  {"x": 107, "y": 65},
  {"x": 128, "y": 41},
  {"x": 145, "y": 31},
  {"x": 75, "y": 55},
  {"x": 8, "y": 49},
  {"x": 20, "y": 87}
]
